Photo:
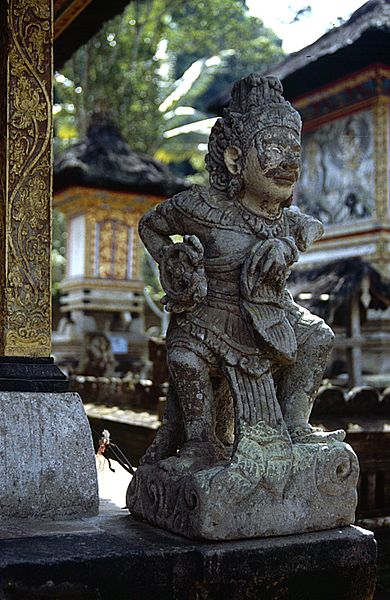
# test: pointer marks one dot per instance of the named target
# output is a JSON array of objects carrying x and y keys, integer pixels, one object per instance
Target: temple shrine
[
  {"x": 341, "y": 86},
  {"x": 103, "y": 188}
]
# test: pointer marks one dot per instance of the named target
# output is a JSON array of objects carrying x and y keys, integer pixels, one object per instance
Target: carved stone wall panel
[
  {"x": 26, "y": 125},
  {"x": 337, "y": 179}
]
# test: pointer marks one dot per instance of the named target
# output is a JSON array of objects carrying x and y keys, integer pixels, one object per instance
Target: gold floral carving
[
  {"x": 26, "y": 125},
  {"x": 381, "y": 257},
  {"x": 114, "y": 238},
  {"x": 381, "y": 149},
  {"x": 106, "y": 249},
  {"x": 122, "y": 239},
  {"x": 77, "y": 199}
]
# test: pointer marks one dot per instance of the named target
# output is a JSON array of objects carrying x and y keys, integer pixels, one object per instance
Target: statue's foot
[
  {"x": 308, "y": 434},
  {"x": 163, "y": 446},
  {"x": 192, "y": 456}
]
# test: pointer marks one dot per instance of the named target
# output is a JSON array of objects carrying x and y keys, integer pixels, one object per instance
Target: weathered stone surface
[
  {"x": 119, "y": 558},
  {"x": 236, "y": 456},
  {"x": 311, "y": 488},
  {"x": 47, "y": 462}
]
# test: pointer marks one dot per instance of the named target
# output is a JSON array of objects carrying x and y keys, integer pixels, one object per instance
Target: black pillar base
[{"x": 26, "y": 374}]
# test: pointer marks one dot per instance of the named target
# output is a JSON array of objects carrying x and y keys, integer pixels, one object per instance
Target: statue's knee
[
  {"x": 326, "y": 337},
  {"x": 182, "y": 360},
  {"x": 322, "y": 339}
]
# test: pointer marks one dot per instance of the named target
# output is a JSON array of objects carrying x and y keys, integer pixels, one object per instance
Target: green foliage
[
  {"x": 132, "y": 65},
  {"x": 207, "y": 27},
  {"x": 118, "y": 70}
]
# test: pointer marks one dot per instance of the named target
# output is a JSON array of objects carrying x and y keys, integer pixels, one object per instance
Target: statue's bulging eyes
[
  {"x": 274, "y": 153},
  {"x": 274, "y": 150},
  {"x": 277, "y": 153}
]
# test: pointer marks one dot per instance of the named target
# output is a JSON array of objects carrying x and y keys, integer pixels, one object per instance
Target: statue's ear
[{"x": 232, "y": 156}]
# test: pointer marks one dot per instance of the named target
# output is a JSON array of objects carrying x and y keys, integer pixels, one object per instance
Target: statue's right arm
[{"x": 156, "y": 227}]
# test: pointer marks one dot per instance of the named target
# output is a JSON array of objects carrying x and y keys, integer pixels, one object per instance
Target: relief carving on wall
[{"x": 337, "y": 181}]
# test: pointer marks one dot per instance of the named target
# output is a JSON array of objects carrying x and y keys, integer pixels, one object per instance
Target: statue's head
[{"x": 257, "y": 142}]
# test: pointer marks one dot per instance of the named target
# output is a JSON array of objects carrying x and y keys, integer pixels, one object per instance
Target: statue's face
[{"x": 272, "y": 164}]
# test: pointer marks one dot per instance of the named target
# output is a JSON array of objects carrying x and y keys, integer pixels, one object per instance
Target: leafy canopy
[{"x": 134, "y": 63}]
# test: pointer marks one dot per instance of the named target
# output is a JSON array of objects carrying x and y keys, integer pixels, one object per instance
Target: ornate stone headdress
[{"x": 256, "y": 104}]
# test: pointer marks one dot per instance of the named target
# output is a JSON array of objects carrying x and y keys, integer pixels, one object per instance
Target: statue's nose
[{"x": 290, "y": 161}]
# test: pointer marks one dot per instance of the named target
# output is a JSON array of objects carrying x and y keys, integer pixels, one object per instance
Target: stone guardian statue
[{"x": 236, "y": 456}]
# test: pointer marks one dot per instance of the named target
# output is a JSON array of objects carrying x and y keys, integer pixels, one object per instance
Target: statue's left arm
[{"x": 303, "y": 228}]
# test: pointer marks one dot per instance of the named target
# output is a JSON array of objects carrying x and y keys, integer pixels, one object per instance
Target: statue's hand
[
  {"x": 273, "y": 259},
  {"x": 314, "y": 230},
  {"x": 182, "y": 275},
  {"x": 279, "y": 258},
  {"x": 305, "y": 229},
  {"x": 274, "y": 265},
  {"x": 268, "y": 265}
]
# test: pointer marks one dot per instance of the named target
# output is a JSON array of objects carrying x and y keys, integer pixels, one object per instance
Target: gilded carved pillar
[
  {"x": 25, "y": 174},
  {"x": 382, "y": 192},
  {"x": 381, "y": 140}
]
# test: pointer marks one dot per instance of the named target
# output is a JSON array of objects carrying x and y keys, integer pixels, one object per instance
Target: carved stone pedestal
[
  {"x": 47, "y": 462},
  {"x": 271, "y": 490}
]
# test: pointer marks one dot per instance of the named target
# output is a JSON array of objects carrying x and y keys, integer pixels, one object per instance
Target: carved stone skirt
[{"x": 220, "y": 335}]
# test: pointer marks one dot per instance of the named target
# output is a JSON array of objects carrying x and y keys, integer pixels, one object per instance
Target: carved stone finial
[{"x": 255, "y": 91}]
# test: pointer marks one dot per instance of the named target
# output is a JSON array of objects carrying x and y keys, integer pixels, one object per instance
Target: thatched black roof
[
  {"x": 339, "y": 281},
  {"x": 359, "y": 42},
  {"x": 103, "y": 159},
  {"x": 362, "y": 40}
]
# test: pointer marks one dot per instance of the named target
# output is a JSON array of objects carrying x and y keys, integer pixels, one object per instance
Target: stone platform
[{"x": 114, "y": 557}]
